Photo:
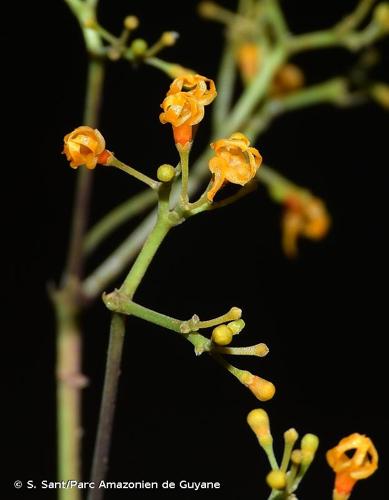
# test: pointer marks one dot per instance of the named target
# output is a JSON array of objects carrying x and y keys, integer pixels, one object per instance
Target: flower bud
[
  {"x": 169, "y": 38},
  {"x": 131, "y": 23},
  {"x": 380, "y": 93},
  {"x": 296, "y": 457},
  {"x": 236, "y": 326},
  {"x": 381, "y": 15},
  {"x": 222, "y": 335},
  {"x": 258, "y": 420},
  {"x": 138, "y": 47},
  {"x": 166, "y": 173},
  {"x": 276, "y": 479},
  {"x": 291, "y": 436},
  {"x": 235, "y": 313}
]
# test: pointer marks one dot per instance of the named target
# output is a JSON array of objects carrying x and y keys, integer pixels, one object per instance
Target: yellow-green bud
[
  {"x": 222, "y": 335},
  {"x": 235, "y": 313},
  {"x": 166, "y": 172},
  {"x": 380, "y": 93},
  {"x": 310, "y": 442},
  {"x": 169, "y": 38},
  {"x": 309, "y": 445},
  {"x": 296, "y": 457},
  {"x": 381, "y": 15},
  {"x": 207, "y": 9},
  {"x": 131, "y": 23},
  {"x": 236, "y": 326},
  {"x": 138, "y": 47},
  {"x": 276, "y": 479},
  {"x": 291, "y": 436},
  {"x": 258, "y": 420},
  {"x": 261, "y": 350}
]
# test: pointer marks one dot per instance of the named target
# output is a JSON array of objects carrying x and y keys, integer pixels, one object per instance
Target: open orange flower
[
  {"x": 234, "y": 161},
  {"x": 85, "y": 146},
  {"x": 184, "y": 104},
  {"x": 350, "y": 469},
  {"x": 304, "y": 216},
  {"x": 201, "y": 88}
]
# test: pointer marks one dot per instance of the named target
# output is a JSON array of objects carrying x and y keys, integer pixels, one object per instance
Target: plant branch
[
  {"x": 117, "y": 330},
  {"x": 120, "y": 214}
]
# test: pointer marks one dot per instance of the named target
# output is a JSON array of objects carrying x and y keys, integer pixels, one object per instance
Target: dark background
[{"x": 323, "y": 315}]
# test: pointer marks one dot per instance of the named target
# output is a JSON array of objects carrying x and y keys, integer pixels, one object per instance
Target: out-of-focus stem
[
  {"x": 120, "y": 214},
  {"x": 67, "y": 305},
  {"x": 225, "y": 84},
  {"x": 85, "y": 176}
]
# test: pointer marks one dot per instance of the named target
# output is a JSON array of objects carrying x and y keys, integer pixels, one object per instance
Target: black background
[{"x": 323, "y": 315}]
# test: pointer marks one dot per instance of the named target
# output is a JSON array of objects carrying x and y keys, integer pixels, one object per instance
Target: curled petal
[
  {"x": 83, "y": 147},
  {"x": 234, "y": 161},
  {"x": 354, "y": 458},
  {"x": 201, "y": 88},
  {"x": 180, "y": 109}
]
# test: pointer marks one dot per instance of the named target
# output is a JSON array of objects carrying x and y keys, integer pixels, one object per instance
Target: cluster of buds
[
  {"x": 287, "y": 476},
  {"x": 225, "y": 327}
]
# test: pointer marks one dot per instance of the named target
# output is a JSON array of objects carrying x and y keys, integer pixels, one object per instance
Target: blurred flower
[
  {"x": 248, "y": 57},
  {"x": 184, "y": 104},
  {"x": 287, "y": 79},
  {"x": 307, "y": 217},
  {"x": 85, "y": 146},
  {"x": 349, "y": 468},
  {"x": 234, "y": 161}
]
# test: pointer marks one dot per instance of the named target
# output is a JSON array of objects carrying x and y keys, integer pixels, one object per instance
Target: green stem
[
  {"x": 277, "y": 19},
  {"x": 85, "y": 176},
  {"x": 120, "y": 214},
  {"x": 128, "y": 288},
  {"x": 355, "y": 18},
  {"x": 184, "y": 161},
  {"x": 117, "y": 302},
  {"x": 69, "y": 385},
  {"x": 254, "y": 92},
  {"x": 108, "y": 403},
  {"x": 333, "y": 91},
  {"x": 66, "y": 302},
  {"x": 113, "y": 265},
  {"x": 134, "y": 173},
  {"x": 225, "y": 84}
]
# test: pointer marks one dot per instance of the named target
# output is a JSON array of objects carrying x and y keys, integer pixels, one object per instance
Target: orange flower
[
  {"x": 249, "y": 60},
  {"x": 287, "y": 79},
  {"x": 307, "y": 217},
  {"x": 85, "y": 146},
  {"x": 350, "y": 469},
  {"x": 234, "y": 161},
  {"x": 201, "y": 88},
  {"x": 184, "y": 104}
]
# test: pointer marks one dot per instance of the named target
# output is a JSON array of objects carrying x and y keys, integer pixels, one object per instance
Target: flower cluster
[
  {"x": 234, "y": 161},
  {"x": 184, "y": 104}
]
